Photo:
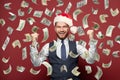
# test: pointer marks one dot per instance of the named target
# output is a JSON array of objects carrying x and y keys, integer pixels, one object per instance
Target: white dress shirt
[{"x": 38, "y": 57}]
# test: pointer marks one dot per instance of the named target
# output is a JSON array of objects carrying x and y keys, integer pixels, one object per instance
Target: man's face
[{"x": 62, "y": 30}]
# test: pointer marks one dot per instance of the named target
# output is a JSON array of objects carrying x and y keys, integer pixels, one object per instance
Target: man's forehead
[{"x": 61, "y": 24}]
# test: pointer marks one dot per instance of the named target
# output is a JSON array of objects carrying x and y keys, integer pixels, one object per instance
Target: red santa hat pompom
[{"x": 63, "y": 17}]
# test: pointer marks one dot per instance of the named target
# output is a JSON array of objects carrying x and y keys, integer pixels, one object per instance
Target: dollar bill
[
  {"x": 16, "y": 43},
  {"x": 8, "y": 70},
  {"x": 30, "y": 20},
  {"x": 69, "y": 6},
  {"x": 70, "y": 79},
  {"x": 24, "y": 53},
  {"x": 12, "y": 16},
  {"x": 116, "y": 54},
  {"x": 85, "y": 55},
  {"x": 20, "y": 68},
  {"x": 34, "y": 1},
  {"x": 85, "y": 21},
  {"x": 117, "y": 39},
  {"x": 73, "y": 55},
  {"x": 71, "y": 37},
  {"x": 20, "y": 12},
  {"x": 96, "y": 2},
  {"x": 45, "y": 21},
  {"x": 119, "y": 25},
  {"x": 76, "y": 13},
  {"x": 29, "y": 10},
  {"x": 46, "y": 34},
  {"x": 10, "y": 30},
  {"x": 49, "y": 12},
  {"x": 58, "y": 12},
  {"x": 7, "y": 6},
  {"x": 114, "y": 12},
  {"x": 5, "y": 44},
  {"x": 60, "y": 3},
  {"x": 24, "y": 4},
  {"x": 106, "y": 4},
  {"x": 97, "y": 57},
  {"x": 81, "y": 3},
  {"x": 53, "y": 48},
  {"x": 110, "y": 43},
  {"x": 82, "y": 43},
  {"x": 21, "y": 25},
  {"x": 49, "y": 68},
  {"x": 63, "y": 68},
  {"x": 99, "y": 73},
  {"x": 2, "y": 22},
  {"x": 103, "y": 18},
  {"x": 75, "y": 71},
  {"x": 94, "y": 11},
  {"x": 5, "y": 60},
  {"x": 100, "y": 35},
  {"x": 106, "y": 51},
  {"x": 34, "y": 72},
  {"x": 28, "y": 37},
  {"x": 80, "y": 31},
  {"x": 107, "y": 65},
  {"x": 37, "y": 13},
  {"x": 96, "y": 26},
  {"x": 101, "y": 45},
  {"x": 109, "y": 30},
  {"x": 44, "y": 2},
  {"x": 88, "y": 69}
]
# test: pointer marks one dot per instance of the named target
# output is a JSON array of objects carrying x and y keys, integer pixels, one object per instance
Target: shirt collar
[{"x": 65, "y": 40}]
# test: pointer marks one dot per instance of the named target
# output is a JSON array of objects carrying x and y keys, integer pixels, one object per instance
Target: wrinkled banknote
[
  {"x": 49, "y": 12},
  {"x": 106, "y": 51},
  {"x": 24, "y": 4},
  {"x": 2, "y": 22},
  {"x": 28, "y": 37},
  {"x": 76, "y": 13},
  {"x": 114, "y": 12},
  {"x": 100, "y": 35},
  {"x": 82, "y": 43},
  {"x": 117, "y": 39},
  {"x": 58, "y": 12},
  {"x": 99, "y": 73},
  {"x": 21, "y": 25},
  {"x": 109, "y": 30},
  {"x": 46, "y": 34},
  {"x": 60, "y": 3},
  {"x": 69, "y": 6},
  {"x": 88, "y": 69},
  {"x": 110, "y": 43},
  {"x": 96, "y": 26},
  {"x": 10, "y": 30},
  {"x": 101, "y": 45},
  {"x": 24, "y": 53},
  {"x": 37, "y": 13},
  {"x": 80, "y": 31},
  {"x": 45, "y": 21},
  {"x": 5, "y": 60},
  {"x": 34, "y": 1},
  {"x": 16, "y": 43},
  {"x": 73, "y": 55},
  {"x": 12, "y": 16},
  {"x": 20, "y": 68},
  {"x": 107, "y": 65},
  {"x": 44, "y": 2},
  {"x": 63, "y": 68},
  {"x": 94, "y": 11},
  {"x": 8, "y": 70},
  {"x": 53, "y": 47},
  {"x": 116, "y": 54},
  {"x": 7, "y": 6},
  {"x": 20, "y": 12},
  {"x": 106, "y": 4},
  {"x": 29, "y": 10},
  {"x": 85, "y": 21},
  {"x": 6, "y": 42},
  {"x": 71, "y": 37},
  {"x": 96, "y": 2},
  {"x": 103, "y": 17},
  {"x": 75, "y": 71},
  {"x": 81, "y": 3},
  {"x": 49, "y": 68},
  {"x": 34, "y": 72},
  {"x": 30, "y": 20}
]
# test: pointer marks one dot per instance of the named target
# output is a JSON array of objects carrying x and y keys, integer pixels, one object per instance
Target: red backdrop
[{"x": 15, "y": 54}]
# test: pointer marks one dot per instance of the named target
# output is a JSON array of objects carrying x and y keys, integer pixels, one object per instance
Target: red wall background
[{"x": 15, "y": 54}]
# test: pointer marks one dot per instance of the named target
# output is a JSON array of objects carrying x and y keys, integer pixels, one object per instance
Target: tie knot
[{"x": 62, "y": 41}]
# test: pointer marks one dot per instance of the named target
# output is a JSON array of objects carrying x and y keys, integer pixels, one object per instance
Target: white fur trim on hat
[{"x": 61, "y": 18}]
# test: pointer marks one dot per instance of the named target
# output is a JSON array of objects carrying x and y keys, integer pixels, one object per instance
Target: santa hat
[{"x": 63, "y": 17}]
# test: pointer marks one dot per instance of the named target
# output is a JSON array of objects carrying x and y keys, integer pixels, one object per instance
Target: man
[{"x": 64, "y": 58}]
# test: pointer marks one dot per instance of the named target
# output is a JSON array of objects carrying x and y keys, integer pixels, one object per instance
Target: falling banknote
[
  {"x": 99, "y": 73},
  {"x": 46, "y": 34},
  {"x": 8, "y": 71},
  {"x": 34, "y": 72}
]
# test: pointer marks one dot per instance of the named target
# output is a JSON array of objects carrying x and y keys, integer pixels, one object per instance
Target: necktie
[{"x": 63, "y": 51}]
